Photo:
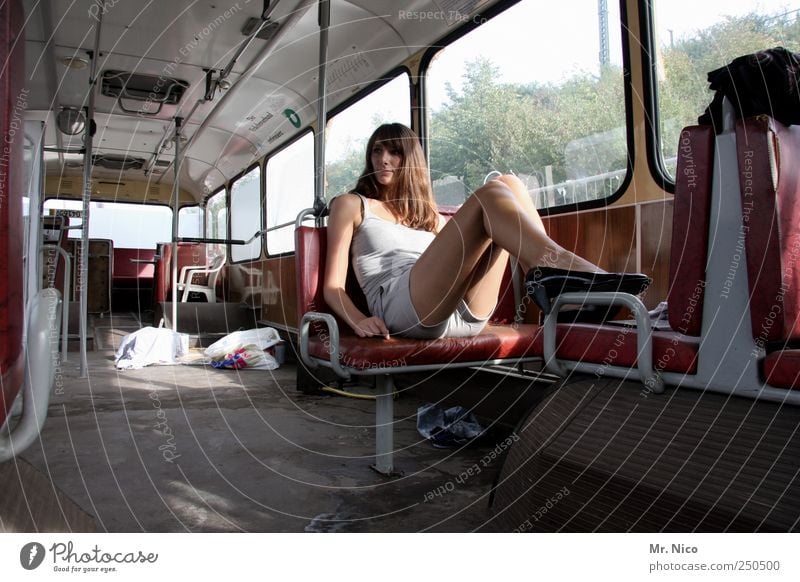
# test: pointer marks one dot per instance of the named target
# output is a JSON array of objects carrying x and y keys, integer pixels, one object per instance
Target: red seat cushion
[
  {"x": 782, "y": 369},
  {"x": 616, "y": 346},
  {"x": 610, "y": 345},
  {"x": 494, "y": 342}
]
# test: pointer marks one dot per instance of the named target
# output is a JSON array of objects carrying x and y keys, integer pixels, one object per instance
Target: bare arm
[
  {"x": 442, "y": 223},
  {"x": 344, "y": 218}
]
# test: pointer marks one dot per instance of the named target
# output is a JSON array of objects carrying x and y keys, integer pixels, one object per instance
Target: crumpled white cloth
[{"x": 150, "y": 345}]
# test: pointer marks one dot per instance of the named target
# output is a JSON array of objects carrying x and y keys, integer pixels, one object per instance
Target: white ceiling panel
[{"x": 273, "y": 91}]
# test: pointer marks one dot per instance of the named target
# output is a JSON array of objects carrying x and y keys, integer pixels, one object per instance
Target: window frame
[
  {"x": 261, "y": 211},
  {"x": 496, "y": 10},
  {"x": 652, "y": 125}
]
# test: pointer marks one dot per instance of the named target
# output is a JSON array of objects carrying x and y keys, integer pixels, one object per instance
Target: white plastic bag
[
  {"x": 245, "y": 349},
  {"x": 263, "y": 337},
  {"x": 249, "y": 356}
]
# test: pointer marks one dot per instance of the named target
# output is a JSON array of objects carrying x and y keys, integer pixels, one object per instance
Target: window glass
[
  {"x": 246, "y": 215},
  {"x": 217, "y": 221},
  {"x": 130, "y": 226},
  {"x": 190, "y": 221},
  {"x": 347, "y": 133},
  {"x": 531, "y": 92},
  {"x": 687, "y": 49},
  {"x": 290, "y": 189}
]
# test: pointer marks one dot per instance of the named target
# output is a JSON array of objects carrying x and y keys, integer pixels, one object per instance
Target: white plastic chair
[{"x": 213, "y": 270}]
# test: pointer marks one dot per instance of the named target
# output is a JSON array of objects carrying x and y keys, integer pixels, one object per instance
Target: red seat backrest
[
  {"x": 124, "y": 268},
  {"x": 769, "y": 174},
  {"x": 690, "y": 224},
  {"x": 311, "y": 245},
  {"x": 12, "y": 186}
]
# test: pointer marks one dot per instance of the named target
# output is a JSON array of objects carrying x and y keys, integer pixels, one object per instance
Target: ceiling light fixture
[
  {"x": 75, "y": 63},
  {"x": 71, "y": 121}
]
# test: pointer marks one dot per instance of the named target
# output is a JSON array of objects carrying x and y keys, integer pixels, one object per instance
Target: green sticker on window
[{"x": 292, "y": 116}]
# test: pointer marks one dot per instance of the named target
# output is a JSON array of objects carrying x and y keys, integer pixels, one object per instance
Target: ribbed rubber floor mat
[{"x": 602, "y": 455}]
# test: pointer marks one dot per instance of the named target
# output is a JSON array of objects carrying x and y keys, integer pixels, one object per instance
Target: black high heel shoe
[{"x": 544, "y": 284}]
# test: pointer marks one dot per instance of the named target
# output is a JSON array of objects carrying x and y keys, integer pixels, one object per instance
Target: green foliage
[
  {"x": 343, "y": 174},
  {"x": 683, "y": 87},
  {"x": 491, "y": 126}
]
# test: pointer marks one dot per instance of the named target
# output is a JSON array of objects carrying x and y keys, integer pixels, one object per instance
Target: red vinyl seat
[
  {"x": 770, "y": 188},
  {"x": 782, "y": 369},
  {"x": 127, "y": 273},
  {"x": 615, "y": 345},
  {"x": 498, "y": 340},
  {"x": 674, "y": 350}
]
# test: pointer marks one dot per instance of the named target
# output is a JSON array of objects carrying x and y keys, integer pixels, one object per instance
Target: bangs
[{"x": 392, "y": 136}]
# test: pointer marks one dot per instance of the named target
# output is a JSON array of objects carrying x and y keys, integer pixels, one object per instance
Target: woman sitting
[{"x": 425, "y": 277}]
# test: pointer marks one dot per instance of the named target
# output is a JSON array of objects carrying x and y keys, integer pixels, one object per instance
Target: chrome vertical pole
[
  {"x": 175, "y": 209},
  {"x": 83, "y": 261},
  {"x": 322, "y": 107}
]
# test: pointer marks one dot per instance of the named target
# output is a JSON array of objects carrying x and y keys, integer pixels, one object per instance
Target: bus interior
[{"x": 167, "y": 168}]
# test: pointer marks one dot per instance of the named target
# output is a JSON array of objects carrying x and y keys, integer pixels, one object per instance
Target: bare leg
[
  {"x": 462, "y": 261},
  {"x": 484, "y": 285}
]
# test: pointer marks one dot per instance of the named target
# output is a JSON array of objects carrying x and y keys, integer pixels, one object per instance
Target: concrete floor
[{"x": 192, "y": 448}]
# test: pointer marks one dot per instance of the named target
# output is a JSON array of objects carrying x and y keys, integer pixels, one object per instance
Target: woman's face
[{"x": 386, "y": 160}]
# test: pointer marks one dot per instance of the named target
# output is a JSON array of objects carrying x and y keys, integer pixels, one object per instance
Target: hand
[{"x": 371, "y": 326}]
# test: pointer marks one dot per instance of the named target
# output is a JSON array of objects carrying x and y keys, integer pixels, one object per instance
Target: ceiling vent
[
  {"x": 266, "y": 33},
  {"x": 115, "y": 162},
  {"x": 150, "y": 90}
]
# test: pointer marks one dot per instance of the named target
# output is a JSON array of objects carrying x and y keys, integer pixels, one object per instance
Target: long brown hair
[{"x": 409, "y": 196}]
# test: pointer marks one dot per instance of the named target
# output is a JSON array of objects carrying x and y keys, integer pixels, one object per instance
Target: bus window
[
  {"x": 347, "y": 132},
  {"x": 129, "y": 226},
  {"x": 290, "y": 189},
  {"x": 531, "y": 92},
  {"x": 217, "y": 216},
  {"x": 217, "y": 221},
  {"x": 246, "y": 215},
  {"x": 686, "y": 49},
  {"x": 190, "y": 221}
]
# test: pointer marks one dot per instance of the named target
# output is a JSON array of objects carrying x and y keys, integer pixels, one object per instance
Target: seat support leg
[{"x": 384, "y": 425}]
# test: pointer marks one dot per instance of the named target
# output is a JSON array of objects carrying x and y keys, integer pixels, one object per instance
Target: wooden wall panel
[
  {"x": 656, "y": 229},
  {"x": 607, "y": 237},
  {"x": 267, "y": 284},
  {"x": 282, "y": 310}
]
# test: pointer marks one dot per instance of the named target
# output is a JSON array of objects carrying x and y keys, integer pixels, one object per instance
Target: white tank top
[{"x": 382, "y": 250}]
